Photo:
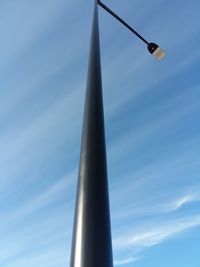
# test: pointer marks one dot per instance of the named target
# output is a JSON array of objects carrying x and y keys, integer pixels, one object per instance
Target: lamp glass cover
[{"x": 159, "y": 53}]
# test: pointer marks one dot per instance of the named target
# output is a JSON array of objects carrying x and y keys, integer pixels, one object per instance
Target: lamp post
[{"x": 91, "y": 243}]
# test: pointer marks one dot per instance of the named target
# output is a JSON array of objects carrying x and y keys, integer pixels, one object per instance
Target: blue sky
[{"x": 152, "y": 129}]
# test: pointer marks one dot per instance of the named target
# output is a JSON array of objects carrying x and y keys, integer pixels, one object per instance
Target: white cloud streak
[
  {"x": 164, "y": 207},
  {"x": 177, "y": 204},
  {"x": 155, "y": 235},
  {"x": 43, "y": 199},
  {"x": 125, "y": 260}
]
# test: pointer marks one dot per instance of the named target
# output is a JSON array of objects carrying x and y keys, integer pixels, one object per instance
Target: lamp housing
[{"x": 156, "y": 51}]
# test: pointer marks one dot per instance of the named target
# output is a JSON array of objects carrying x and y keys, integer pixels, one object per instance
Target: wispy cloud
[
  {"x": 41, "y": 233},
  {"x": 125, "y": 261},
  {"x": 137, "y": 242},
  {"x": 50, "y": 195},
  {"x": 156, "y": 234},
  {"x": 52, "y": 256},
  {"x": 39, "y": 131},
  {"x": 177, "y": 204},
  {"x": 14, "y": 15},
  {"x": 157, "y": 208}
]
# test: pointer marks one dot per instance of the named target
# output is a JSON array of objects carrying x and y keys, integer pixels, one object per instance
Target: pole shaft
[
  {"x": 91, "y": 244},
  {"x": 122, "y": 21}
]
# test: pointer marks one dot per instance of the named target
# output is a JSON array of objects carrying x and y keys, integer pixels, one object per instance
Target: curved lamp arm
[{"x": 153, "y": 48}]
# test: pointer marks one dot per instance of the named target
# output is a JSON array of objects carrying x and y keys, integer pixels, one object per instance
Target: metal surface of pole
[{"x": 91, "y": 244}]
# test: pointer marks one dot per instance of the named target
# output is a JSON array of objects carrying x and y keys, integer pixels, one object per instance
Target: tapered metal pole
[{"x": 91, "y": 244}]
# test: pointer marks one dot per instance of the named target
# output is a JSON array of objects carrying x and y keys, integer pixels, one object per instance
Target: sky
[{"x": 152, "y": 129}]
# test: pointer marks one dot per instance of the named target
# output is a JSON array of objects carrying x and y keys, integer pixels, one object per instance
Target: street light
[
  {"x": 91, "y": 243},
  {"x": 153, "y": 48},
  {"x": 156, "y": 51}
]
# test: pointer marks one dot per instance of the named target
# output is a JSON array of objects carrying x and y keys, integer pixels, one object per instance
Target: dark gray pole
[{"x": 91, "y": 244}]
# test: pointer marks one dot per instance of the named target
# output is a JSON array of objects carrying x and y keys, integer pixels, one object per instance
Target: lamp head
[{"x": 156, "y": 51}]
